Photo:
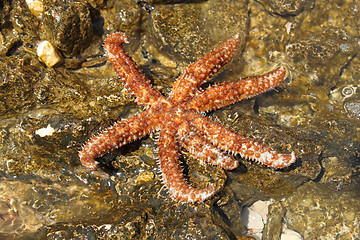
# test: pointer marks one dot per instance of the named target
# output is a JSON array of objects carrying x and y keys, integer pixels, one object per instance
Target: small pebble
[
  {"x": 48, "y": 54},
  {"x": 35, "y": 6}
]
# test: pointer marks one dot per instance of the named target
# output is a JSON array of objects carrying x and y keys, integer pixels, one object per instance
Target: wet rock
[
  {"x": 260, "y": 183},
  {"x": 289, "y": 234},
  {"x": 5, "y": 8},
  {"x": 43, "y": 132},
  {"x": 16, "y": 80},
  {"x": 47, "y": 114},
  {"x": 8, "y": 45},
  {"x": 142, "y": 222},
  {"x": 65, "y": 92},
  {"x": 24, "y": 22},
  {"x": 344, "y": 98},
  {"x": 318, "y": 211},
  {"x": 353, "y": 108},
  {"x": 68, "y": 25},
  {"x": 337, "y": 173},
  {"x": 124, "y": 15},
  {"x": 17, "y": 217},
  {"x": 229, "y": 208},
  {"x": 170, "y": 1},
  {"x": 27, "y": 152},
  {"x": 263, "y": 220},
  {"x": 97, "y": 4},
  {"x": 317, "y": 43},
  {"x": 325, "y": 53},
  {"x": 287, "y": 7},
  {"x": 54, "y": 84},
  {"x": 194, "y": 33},
  {"x": 26, "y": 82},
  {"x": 264, "y": 45},
  {"x": 274, "y": 227},
  {"x": 198, "y": 223},
  {"x": 32, "y": 203},
  {"x": 253, "y": 221}
]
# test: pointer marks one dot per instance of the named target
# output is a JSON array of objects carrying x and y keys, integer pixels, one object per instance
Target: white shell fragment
[
  {"x": 262, "y": 207},
  {"x": 35, "y": 7},
  {"x": 289, "y": 234},
  {"x": 255, "y": 217},
  {"x": 48, "y": 131},
  {"x": 252, "y": 220},
  {"x": 48, "y": 54}
]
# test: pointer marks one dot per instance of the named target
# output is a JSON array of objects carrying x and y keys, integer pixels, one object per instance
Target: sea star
[{"x": 180, "y": 120}]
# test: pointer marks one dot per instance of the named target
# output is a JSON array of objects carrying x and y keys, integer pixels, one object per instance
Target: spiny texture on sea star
[{"x": 179, "y": 119}]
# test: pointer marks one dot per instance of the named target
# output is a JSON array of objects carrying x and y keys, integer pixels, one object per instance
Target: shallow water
[{"x": 47, "y": 114}]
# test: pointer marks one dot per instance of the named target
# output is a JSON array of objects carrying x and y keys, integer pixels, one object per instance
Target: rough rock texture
[
  {"x": 197, "y": 33},
  {"x": 287, "y": 7},
  {"x": 47, "y": 114},
  {"x": 329, "y": 213},
  {"x": 65, "y": 22}
]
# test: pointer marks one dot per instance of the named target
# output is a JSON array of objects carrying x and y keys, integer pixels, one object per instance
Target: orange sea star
[{"x": 179, "y": 119}]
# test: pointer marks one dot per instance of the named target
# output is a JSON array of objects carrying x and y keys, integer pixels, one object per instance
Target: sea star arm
[
  {"x": 202, "y": 149},
  {"x": 203, "y": 69},
  {"x": 172, "y": 175},
  {"x": 229, "y": 141},
  {"x": 133, "y": 78},
  {"x": 119, "y": 134},
  {"x": 224, "y": 94}
]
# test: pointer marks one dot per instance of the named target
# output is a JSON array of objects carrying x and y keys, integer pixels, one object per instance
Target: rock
[
  {"x": 145, "y": 177},
  {"x": 68, "y": 25},
  {"x": 47, "y": 114},
  {"x": 287, "y": 7},
  {"x": 254, "y": 218},
  {"x": 194, "y": 26},
  {"x": 48, "y": 54},
  {"x": 17, "y": 77},
  {"x": 320, "y": 211},
  {"x": 24, "y": 22},
  {"x": 289, "y": 234},
  {"x": 122, "y": 16},
  {"x": 36, "y": 7}
]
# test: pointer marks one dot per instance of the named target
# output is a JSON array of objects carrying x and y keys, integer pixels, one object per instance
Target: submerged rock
[
  {"x": 68, "y": 25},
  {"x": 47, "y": 114},
  {"x": 323, "y": 212}
]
